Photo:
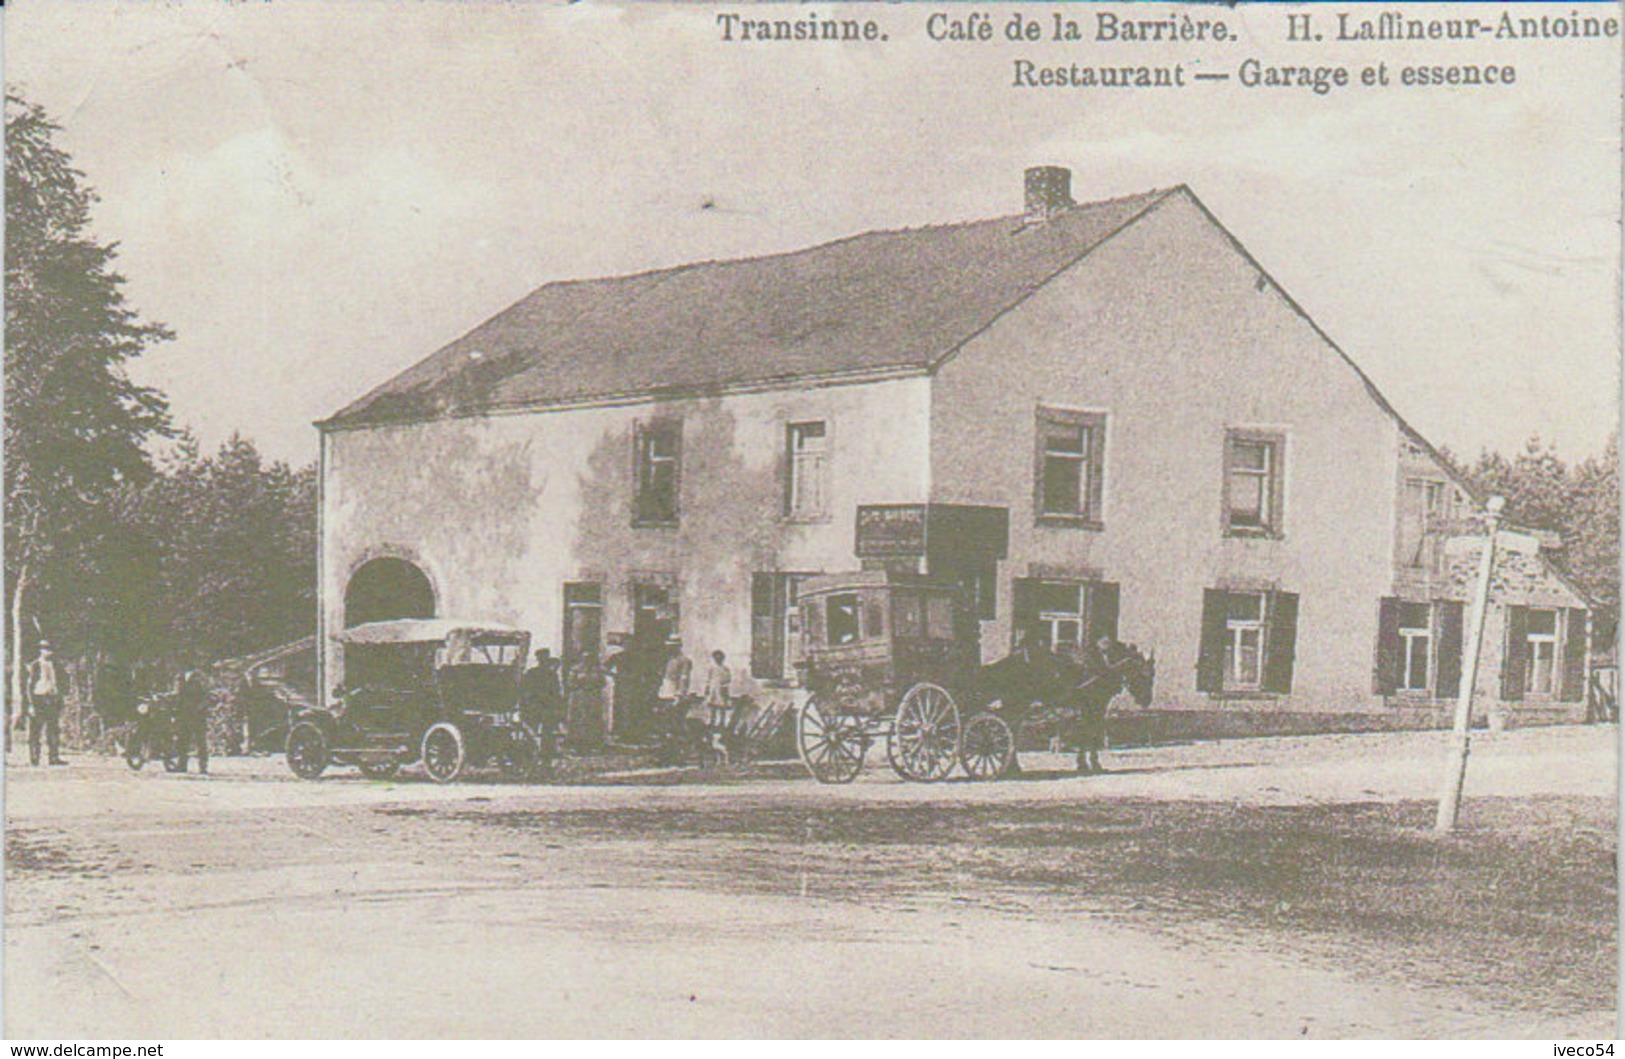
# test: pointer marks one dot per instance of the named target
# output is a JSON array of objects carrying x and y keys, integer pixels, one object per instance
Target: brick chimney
[{"x": 1049, "y": 192}]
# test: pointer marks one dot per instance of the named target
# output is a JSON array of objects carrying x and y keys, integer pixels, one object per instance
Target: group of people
[
  {"x": 44, "y": 693},
  {"x": 713, "y": 706},
  {"x": 653, "y": 692}
]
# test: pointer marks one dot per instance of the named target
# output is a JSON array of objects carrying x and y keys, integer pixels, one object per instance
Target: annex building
[{"x": 1099, "y": 417}]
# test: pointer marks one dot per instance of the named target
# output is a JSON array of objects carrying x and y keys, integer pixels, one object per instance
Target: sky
[{"x": 314, "y": 196}]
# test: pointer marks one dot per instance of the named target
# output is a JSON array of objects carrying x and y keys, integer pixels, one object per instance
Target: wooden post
[{"x": 1456, "y": 764}]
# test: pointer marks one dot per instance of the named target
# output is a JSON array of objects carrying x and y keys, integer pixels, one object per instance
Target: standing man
[
  {"x": 541, "y": 700},
  {"x": 44, "y": 684},
  {"x": 192, "y": 720}
]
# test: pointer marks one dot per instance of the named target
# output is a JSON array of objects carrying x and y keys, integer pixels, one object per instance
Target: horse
[
  {"x": 1100, "y": 674},
  {"x": 1078, "y": 687}
]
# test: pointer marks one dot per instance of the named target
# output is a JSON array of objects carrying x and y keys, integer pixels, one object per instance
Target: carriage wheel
[
  {"x": 988, "y": 747},
  {"x": 307, "y": 751},
  {"x": 831, "y": 748},
  {"x": 925, "y": 737},
  {"x": 443, "y": 752}
]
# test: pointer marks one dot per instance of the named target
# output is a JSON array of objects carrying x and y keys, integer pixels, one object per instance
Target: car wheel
[
  {"x": 443, "y": 752},
  {"x": 307, "y": 751}
]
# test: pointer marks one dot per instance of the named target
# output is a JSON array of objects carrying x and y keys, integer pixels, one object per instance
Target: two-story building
[{"x": 1101, "y": 418}]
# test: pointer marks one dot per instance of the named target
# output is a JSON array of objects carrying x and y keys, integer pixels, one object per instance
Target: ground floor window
[
  {"x": 1544, "y": 653},
  {"x": 654, "y": 610},
  {"x": 1063, "y": 615},
  {"x": 1249, "y": 642},
  {"x": 1419, "y": 647},
  {"x": 775, "y": 625},
  {"x": 583, "y": 623}
]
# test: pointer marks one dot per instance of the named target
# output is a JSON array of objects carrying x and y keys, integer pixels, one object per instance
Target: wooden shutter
[
  {"x": 1102, "y": 604},
  {"x": 1575, "y": 646},
  {"x": 1515, "y": 656},
  {"x": 766, "y": 651},
  {"x": 1210, "y": 659},
  {"x": 1447, "y": 631},
  {"x": 1390, "y": 654},
  {"x": 1023, "y": 608},
  {"x": 1280, "y": 642}
]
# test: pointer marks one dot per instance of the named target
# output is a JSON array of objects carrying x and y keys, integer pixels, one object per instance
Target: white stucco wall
[
  {"x": 1170, "y": 332},
  {"x": 501, "y": 510}
]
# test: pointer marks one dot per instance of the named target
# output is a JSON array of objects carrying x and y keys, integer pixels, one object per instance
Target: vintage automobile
[{"x": 434, "y": 690}]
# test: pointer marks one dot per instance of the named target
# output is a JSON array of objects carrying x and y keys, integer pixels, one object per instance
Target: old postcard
[{"x": 533, "y": 520}]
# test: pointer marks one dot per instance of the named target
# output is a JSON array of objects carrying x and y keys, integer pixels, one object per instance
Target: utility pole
[{"x": 1456, "y": 764}]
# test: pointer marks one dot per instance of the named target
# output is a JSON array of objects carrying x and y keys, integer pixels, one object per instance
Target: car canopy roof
[{"x": 426, "y": 630}]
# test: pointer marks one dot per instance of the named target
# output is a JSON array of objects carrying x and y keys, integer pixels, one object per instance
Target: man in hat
[
  {"x": 44, "y": 684},
  {"x": 541, "y": 697},
  {"x": 192, "y": 720}
]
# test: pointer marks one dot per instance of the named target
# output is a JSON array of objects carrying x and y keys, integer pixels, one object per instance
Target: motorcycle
[{"x": 154, "y": 735}]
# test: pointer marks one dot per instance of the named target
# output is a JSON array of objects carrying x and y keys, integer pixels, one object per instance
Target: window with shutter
[
  {"x": 1065, "y": 615},
  {"x": 775, "y": 625}
]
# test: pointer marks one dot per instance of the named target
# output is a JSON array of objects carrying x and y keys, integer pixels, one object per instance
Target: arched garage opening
[{"x": 382, "y": 589}]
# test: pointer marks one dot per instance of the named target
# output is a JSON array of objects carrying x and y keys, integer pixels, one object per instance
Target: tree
[
  {"x": 76, "y": 426},
  {"x": 1580, "y": 503},
  {"x": 231, "y": 543}
]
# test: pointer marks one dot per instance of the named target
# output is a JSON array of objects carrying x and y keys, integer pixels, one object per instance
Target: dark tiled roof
[{"x": 872, "y": 303}]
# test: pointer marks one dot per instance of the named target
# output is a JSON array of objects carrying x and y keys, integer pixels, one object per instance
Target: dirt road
[{"x": 1281, "y": 887}]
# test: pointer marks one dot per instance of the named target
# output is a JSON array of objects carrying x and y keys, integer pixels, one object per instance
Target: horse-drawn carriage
[{"x": 896, "y": 658}]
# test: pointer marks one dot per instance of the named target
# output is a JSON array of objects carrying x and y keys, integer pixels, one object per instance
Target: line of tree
[
  {"x": 1578, "y": 501},
  {"x": 124, "y": 541}
]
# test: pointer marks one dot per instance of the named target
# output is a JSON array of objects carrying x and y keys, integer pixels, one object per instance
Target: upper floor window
[
  {"x": 1071, "y": 465},
  {"x": 658, "y": 449},
  {"x": 806, "y": 495},
  {"x": 1252, "y": 484},
  {"x": 1425, "y": 512}
]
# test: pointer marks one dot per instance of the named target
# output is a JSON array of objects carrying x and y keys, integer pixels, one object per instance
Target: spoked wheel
[
  {"x": 379, "y": 770},
  {"x": 831, "y": 746},
  {"x": 443, "y": 752},
  {"x": 988, "y": 747},
  {"x": 925, "y": 736},
  {"x": 307, "y": 751},
  {"x": 517, "y": 758}
]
